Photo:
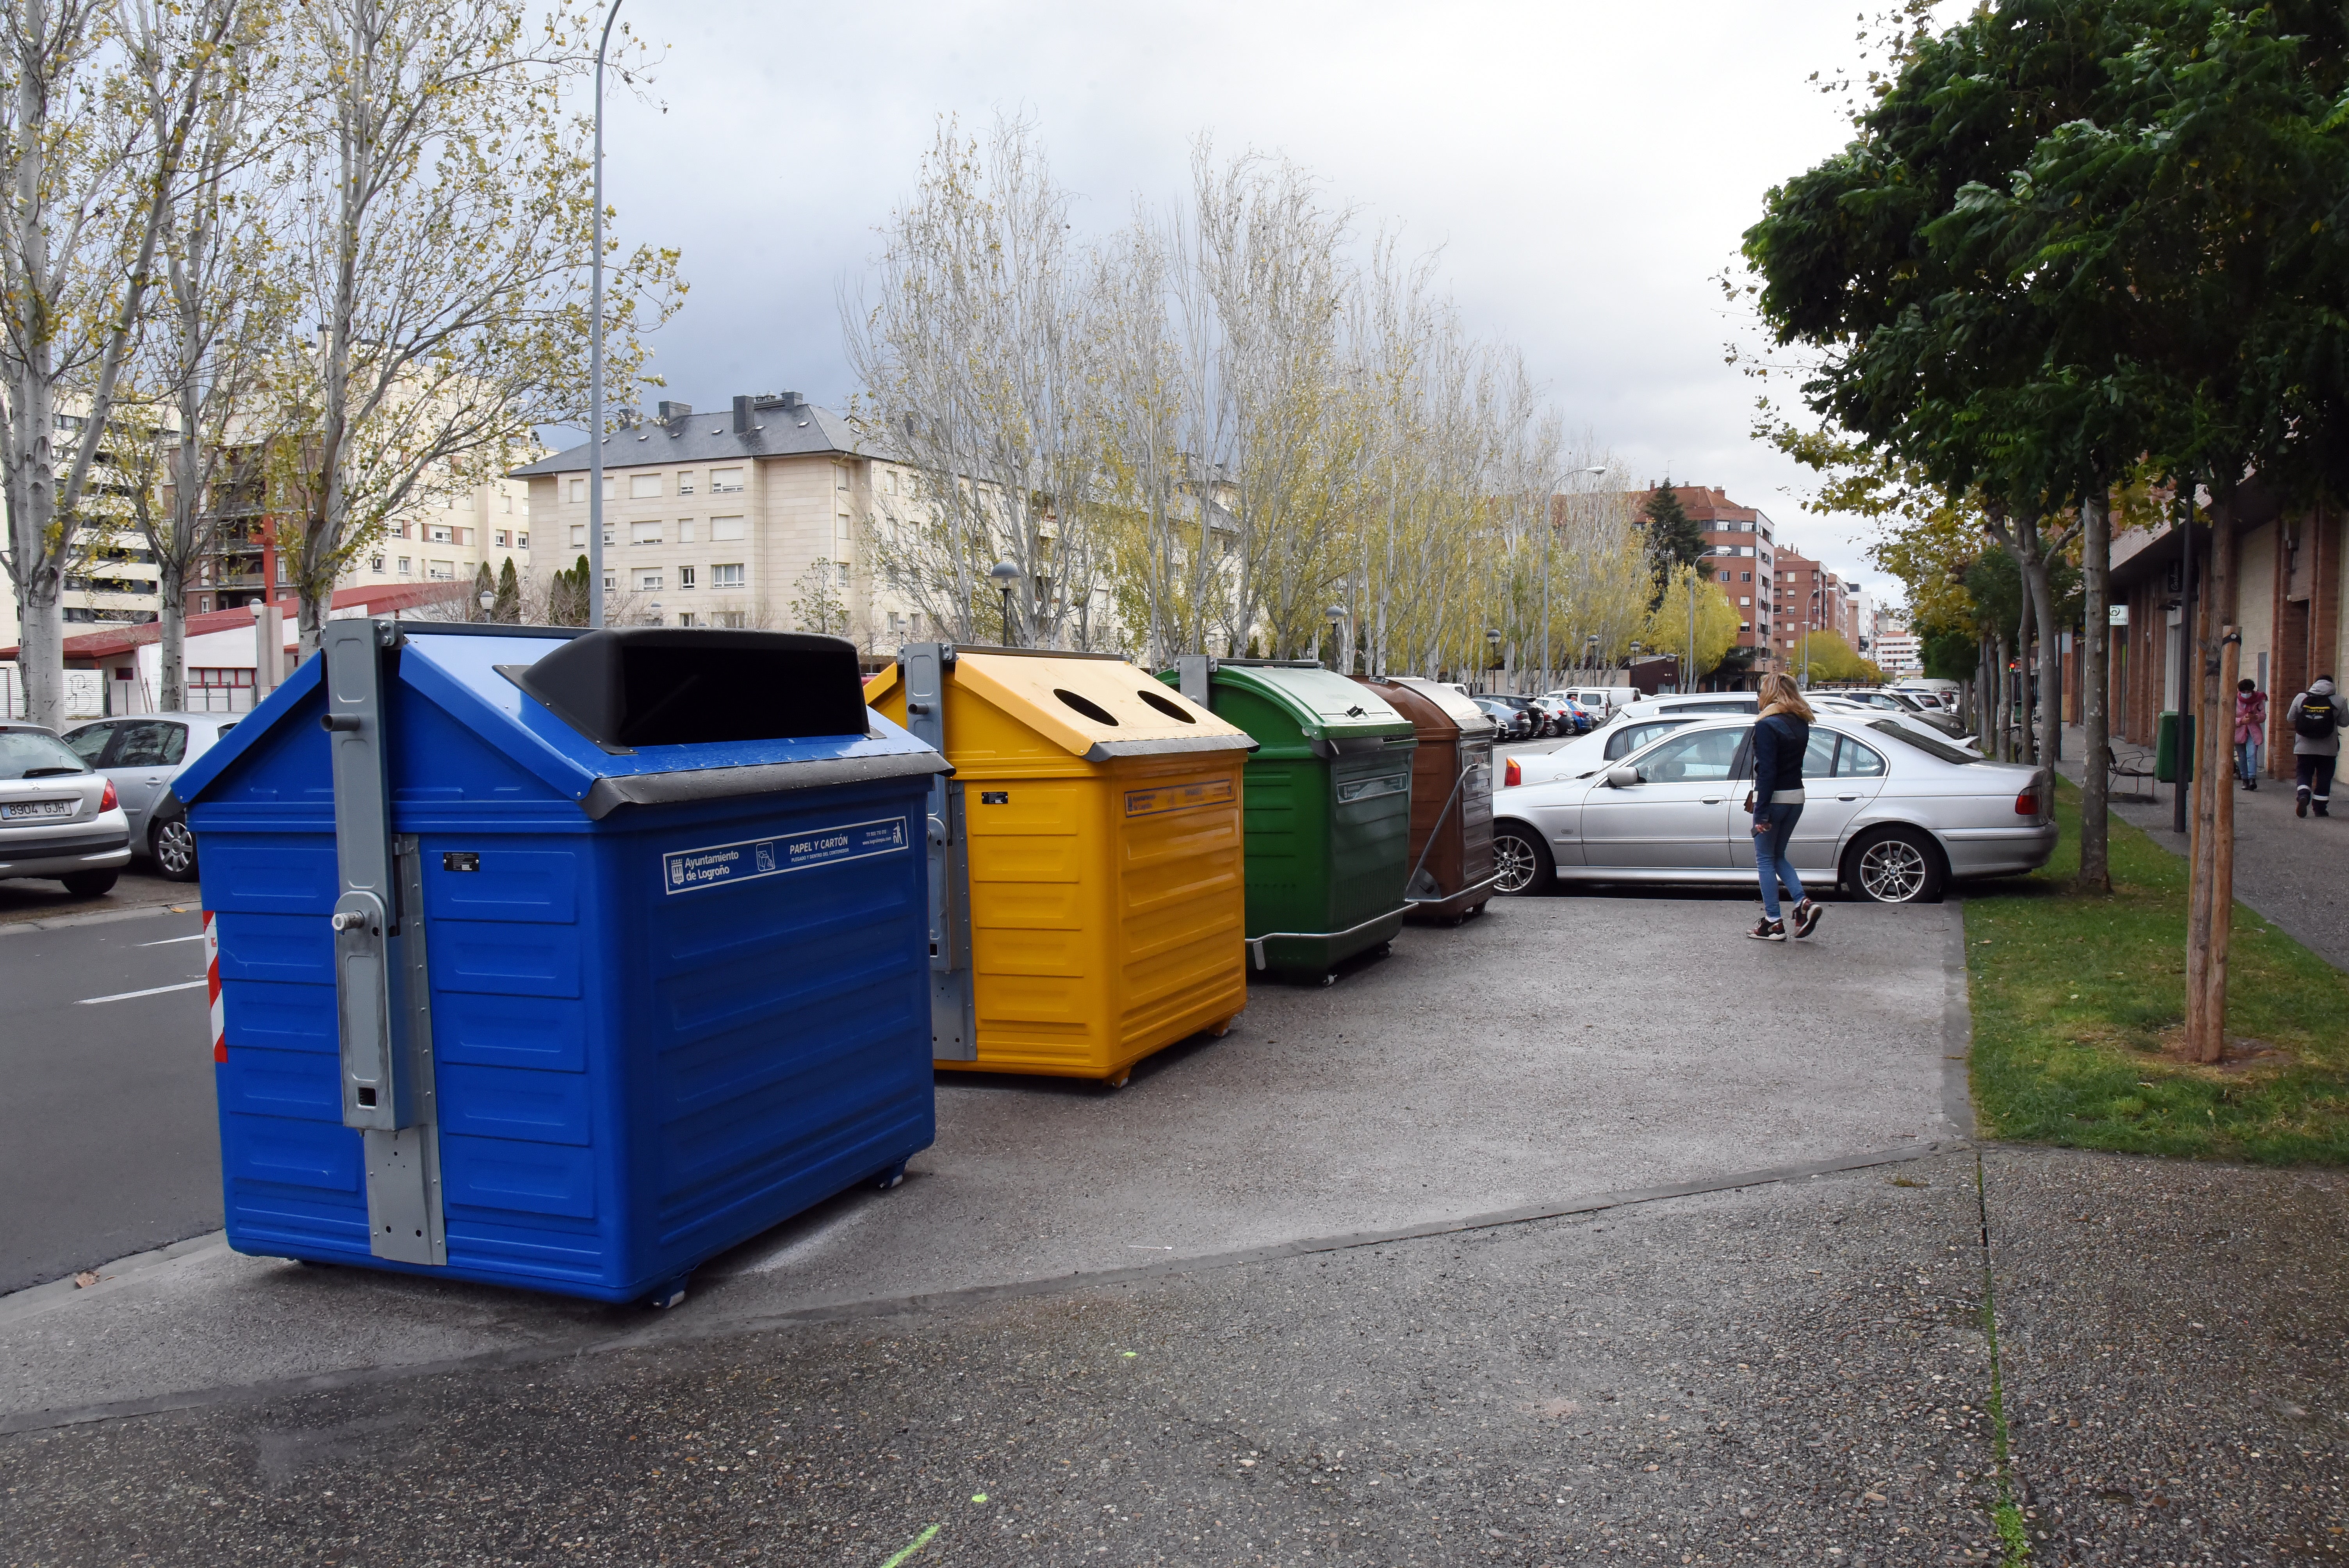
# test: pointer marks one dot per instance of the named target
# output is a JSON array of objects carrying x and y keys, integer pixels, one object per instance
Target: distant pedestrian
[
  {"x": 2316, "y": 718},
  {"x": 2250, "y": 730},
  {"x": 1782, "y": 735}
]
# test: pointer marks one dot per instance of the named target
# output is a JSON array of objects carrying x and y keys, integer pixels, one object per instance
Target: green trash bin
[
  {"x": 2164, "y": 749},
  {"x": 1326, "y": 808}
]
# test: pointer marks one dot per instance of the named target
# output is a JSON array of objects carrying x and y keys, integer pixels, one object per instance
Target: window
[
  {"x": 722, "y": 529},
  {"x": 89, "y": 742},
  {"x": 437, "y": 535},
  {"x": 508, "y": 500},
  {"x": 522, "y": 542},
  {"x": 685, "y": 575},
  {"x": 644, "y": 487},
  {"x": 499, "y": 535},
  {"x": 1701, "y": 757},
  {"x": 375, "y": 563},
  {"x": 730, "y": 618},
  {"x": 1931, "y": 748},
  {"x": 151, "y": 744},
  {"x": 403, "y": 566},
  {"x": 1818, "y": 757},
  {"x": 1747, "y": 601},
  {"x": 840, "y": 476},
  {"x": 644, "y": 533},
  {"x": 728, "y": 576},
  {"x": 1857, "y": 761},
  {"x": 578, "y": 536},
  {"x": 684, "y": 482},
  {"x": 579, "y": 488},
  {"x": 1630, "y": 738},
  {"x": 684, "y": 530},
  {"x": 1746, "y": 577},
  {"x": 685, "y": 618},
  {"x": 647, "y": 581},
  {"x": 725, "y": 481},
  {"x": 441, "y": 572},
  {"x": 611, "y": 580},
  {"x": 843, "y": 568}
]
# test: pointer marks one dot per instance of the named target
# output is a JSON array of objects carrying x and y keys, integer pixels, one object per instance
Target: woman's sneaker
[
  {"x": 1768, "y": 930},
  {"x": 1807, "y": 917}
]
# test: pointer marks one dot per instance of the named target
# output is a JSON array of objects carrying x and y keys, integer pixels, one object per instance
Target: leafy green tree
[
  {"x": 483, "y": 583},
  {"x": 509, "y": 604}
]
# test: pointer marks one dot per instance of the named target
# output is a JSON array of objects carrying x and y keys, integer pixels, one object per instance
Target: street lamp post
[
  {"x": 488, "y": 601},
  {"x": 1493, "y": 643},
  {"x": 596, "y": 351},
  {"x": 1336, "y": 614},
  {"x": 1005, "y": 574}
]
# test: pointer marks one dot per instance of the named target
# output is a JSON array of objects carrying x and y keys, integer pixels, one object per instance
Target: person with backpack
[
  {"x": 2251, "y": 729},
  {"x": 2316, "y": 718}
]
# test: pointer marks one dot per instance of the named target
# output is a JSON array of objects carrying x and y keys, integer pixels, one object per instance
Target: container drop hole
[
  {"x": 1163, "y": 705},
  {"x": 1086, "y": 705}
]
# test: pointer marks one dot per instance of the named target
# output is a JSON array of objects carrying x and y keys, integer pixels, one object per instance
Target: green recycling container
[
  {"x": 2166, "y": 750},
  {"x": 1325, "y": 808}
]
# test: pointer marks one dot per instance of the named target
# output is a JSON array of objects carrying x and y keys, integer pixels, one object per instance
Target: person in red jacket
[{"x": 2250, "y": 730}]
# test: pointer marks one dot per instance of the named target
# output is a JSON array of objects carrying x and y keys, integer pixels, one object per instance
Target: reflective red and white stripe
[{"x": 212, "y": 988}]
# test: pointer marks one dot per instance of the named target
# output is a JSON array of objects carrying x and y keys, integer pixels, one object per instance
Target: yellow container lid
[{"x": 1093, "y": 706}]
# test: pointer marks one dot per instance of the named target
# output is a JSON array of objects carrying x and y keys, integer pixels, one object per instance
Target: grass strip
[{"x": 2077, "y": 999}]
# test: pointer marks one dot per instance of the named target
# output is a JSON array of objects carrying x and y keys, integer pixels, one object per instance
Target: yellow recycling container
[{"x": 1088, "y": 893}]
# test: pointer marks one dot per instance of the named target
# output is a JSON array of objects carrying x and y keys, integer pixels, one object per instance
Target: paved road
[
  {"x": 1526, "y": 1057},
  {"x": 1795, "y": 1373},
  {"x": 107, "y": 1139},
  {"x": 39, "y": 899}
]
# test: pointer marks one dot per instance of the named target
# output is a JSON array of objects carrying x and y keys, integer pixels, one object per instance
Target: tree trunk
[
  {"x": 2002, "y": 686},
  {"x": 2096, "y": 682},
  {"x": 172, "y": 645},
  {"x": 2027, "y": 626},
  {"x": 2211, "y": 896}
]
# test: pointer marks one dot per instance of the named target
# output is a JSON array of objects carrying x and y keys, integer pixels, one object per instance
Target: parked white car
[
  {"x": 142, "y": 755},
  {"x": 1894, "y": 813},
  {"x": 57, "y": 817},
  {"x": 1603, "y": 702}
]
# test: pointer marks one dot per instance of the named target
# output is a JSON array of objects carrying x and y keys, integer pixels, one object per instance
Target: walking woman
[{"x": 1780, "y": 737}]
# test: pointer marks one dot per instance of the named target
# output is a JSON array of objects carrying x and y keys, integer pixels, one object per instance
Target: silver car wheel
[
  {"x": 1893, "y": 870},
  {"x": 175, "y": 850},
  {"x": 1515, "y": 861}
]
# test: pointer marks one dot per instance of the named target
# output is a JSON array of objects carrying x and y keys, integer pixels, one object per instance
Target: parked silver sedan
[
  {"x": 144, "y": 754},
  {"x": 57, "y": 818},
  {"x": 1891, "y": 813}
]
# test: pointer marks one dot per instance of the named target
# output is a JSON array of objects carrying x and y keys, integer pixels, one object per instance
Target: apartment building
[
  {"x": 747, "y": 517},
  {"x": 1742, "y": 555}
]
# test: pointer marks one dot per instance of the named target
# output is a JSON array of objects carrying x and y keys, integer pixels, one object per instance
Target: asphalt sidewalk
[
  {"x": 1778, "y": 1350},
  {"x": 2293, "y": 870}
]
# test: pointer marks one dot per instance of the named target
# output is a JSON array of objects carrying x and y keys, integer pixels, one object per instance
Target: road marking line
[
  {"x": 151, "y": 991},
  {"x": 918, "y": 1542},
  {"x": 167, "y": 941}
]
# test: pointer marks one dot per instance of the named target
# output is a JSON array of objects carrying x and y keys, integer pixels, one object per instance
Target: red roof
[{"x": 382, "y": 599}]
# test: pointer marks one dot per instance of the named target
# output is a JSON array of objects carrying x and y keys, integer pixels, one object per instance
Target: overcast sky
[{"x": 1587, "y": 169}]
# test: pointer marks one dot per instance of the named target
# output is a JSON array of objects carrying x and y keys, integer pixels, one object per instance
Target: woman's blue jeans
[{"x": 1773, "y": 856}]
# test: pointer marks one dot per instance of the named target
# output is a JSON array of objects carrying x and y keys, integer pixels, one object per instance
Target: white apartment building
[
  {"x": 1898, "y": 653},
  {"x": 729, "y": 519}
]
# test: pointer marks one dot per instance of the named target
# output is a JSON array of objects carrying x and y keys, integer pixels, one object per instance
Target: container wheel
[
  {"x": 1218, "y": 1030},
  {"x": 668, "y": 1295},
  {"x": 891, "y": 1177},
  {"x": 1117, "y": 1079},
  {"x": 1328, "y": 978}
]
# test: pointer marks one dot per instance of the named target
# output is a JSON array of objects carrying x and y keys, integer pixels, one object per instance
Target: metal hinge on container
[
  {"x": 383, "y": 995},
  {"x": 954, "y": 1010}
]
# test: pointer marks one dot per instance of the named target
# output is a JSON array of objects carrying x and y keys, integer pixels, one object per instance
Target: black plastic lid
[{"x": 674, "y": 686}]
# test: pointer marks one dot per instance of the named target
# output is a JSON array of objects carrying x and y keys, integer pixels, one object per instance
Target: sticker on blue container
[{"x": 716, "y": 865}]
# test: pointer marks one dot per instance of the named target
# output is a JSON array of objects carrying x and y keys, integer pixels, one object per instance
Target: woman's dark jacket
[{"x": 1779, "y": 743}]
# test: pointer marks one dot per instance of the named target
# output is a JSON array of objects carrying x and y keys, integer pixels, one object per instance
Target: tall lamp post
[
  {"x": 1337, "y": 617},
  {"x": 1005, "y": 574},
  {"x": 1492, "y": 644},
  {"x": 595, "y": 352}
]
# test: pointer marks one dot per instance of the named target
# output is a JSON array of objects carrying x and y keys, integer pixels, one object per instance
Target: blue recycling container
[{"x": 563, "y": 960}]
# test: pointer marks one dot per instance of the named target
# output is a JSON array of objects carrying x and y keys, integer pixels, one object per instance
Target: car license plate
[{"x": 19, "y": 810}]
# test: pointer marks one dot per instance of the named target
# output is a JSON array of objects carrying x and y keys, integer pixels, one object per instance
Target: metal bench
[{"x": 2132, "y": 764}]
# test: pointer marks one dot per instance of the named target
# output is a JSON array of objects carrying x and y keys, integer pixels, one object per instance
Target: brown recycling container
[{"x": 1451, "y": 854}]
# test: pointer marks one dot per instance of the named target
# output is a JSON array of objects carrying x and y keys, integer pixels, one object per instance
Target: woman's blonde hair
[{"x": 1780, "y": 691}]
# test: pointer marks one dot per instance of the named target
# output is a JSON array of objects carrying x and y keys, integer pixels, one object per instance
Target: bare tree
[
  {"x": 86, "y": 173},
  {"x": 441, "y": 236},
  {"x": 975, "y": 356}
]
